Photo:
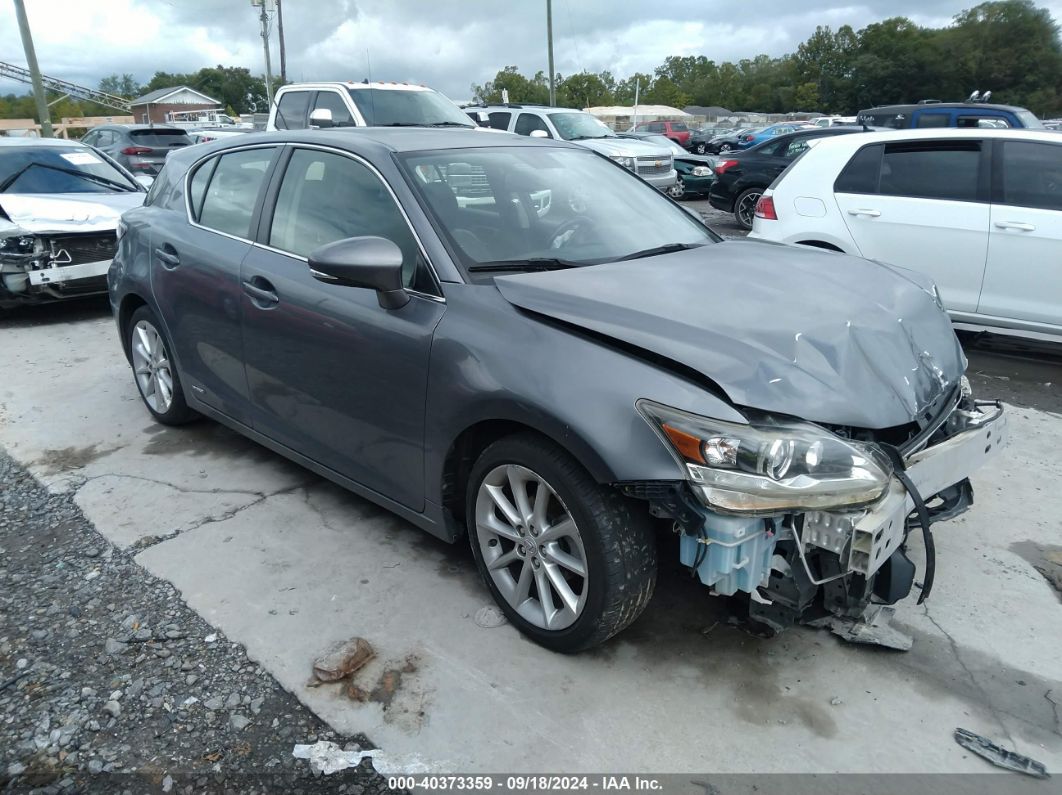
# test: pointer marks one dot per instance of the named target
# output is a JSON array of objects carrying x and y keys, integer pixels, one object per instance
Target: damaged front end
[{"x": 813, "y": 522}]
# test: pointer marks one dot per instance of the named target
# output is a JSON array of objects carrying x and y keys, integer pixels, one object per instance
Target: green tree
[
  {"x": 520, "y": 88},
  {"x": 584, "y": 90},
  {"x": 120, "y": 85}
]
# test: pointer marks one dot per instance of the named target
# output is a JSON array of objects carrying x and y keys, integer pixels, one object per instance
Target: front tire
[
  {"x": 569, "y": 561},
  {"x": 154, "y": 370},
  {"x": 745, "y": 206},
  {"x": 678, "y": 190},
  {"x": 700, "y": 149}
]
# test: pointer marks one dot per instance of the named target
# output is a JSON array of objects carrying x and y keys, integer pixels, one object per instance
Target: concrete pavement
[{"x": 287, "y": 563}]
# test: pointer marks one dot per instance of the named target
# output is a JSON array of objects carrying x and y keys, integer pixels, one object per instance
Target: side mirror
[
  {"x": 321, "y": 117},
  {"x": 372, "y": 262},
  {"x": 482, "y": 118},
  {"x": 539, "y": 134}
]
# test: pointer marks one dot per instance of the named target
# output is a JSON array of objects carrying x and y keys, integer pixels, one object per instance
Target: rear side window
[
  {"x": 291, "y": 110},
  {"x": 528, "y": 122},
  {"x": 861, "y": 173},
  {"x": 330, "y": 100},
  {"x": 989, "y": 122},
  {"x": 232, "y": 191},
  {"x": 499, "y": 120},
  {"x": 679, "y": 126},
  {"x": 935, "y": 170},
  {"x": 1032, "y": 175},
  {"x": 934, "y": 120}
]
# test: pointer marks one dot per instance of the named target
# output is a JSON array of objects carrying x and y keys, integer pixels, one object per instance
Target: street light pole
[
  {"x": 549, "y": 44},
  {"x": 35, "y": 71},
  {"x": 280, "y": 35},
  {"x": 263, "y": 18}
]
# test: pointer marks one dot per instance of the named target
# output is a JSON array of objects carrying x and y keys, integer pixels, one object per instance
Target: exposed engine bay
[{"x": 41, "y": 267}]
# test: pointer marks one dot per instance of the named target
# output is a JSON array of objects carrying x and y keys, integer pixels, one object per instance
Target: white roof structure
[{"x": 642, "y": 110}]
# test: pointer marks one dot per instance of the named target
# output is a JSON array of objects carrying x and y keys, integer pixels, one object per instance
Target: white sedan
[{"x": 979, "y": 211}]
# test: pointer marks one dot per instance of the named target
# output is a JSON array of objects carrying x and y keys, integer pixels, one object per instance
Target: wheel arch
[
  {"x": 129, "y": 304},
  {"x": 821, "y": 244}
]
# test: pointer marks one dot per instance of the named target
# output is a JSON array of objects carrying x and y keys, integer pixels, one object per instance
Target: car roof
[
  {"x": 25, "y": 141},
  {"x": 945, "y": 106},
  {"x": 937, "y": 133},
  {"x": 350, "y": 84},
  {"x": 129, "y": 127}
]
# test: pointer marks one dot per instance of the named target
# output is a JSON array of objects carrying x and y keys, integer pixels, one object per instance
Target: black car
[
  {"x": 699, "y": 139},
  {"x": 141, "y": 148},
  {"x": 726, "y": 142},
  {"x": 741, "y": 177}
]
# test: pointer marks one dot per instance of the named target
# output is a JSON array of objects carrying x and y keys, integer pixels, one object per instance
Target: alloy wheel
[
  {"x": 701, "y": 149},
  {"x": 724, "y": 147},
  {"x": 678, "y": 190},
  {"x": 746, "y": 208},
  {"x": 531, "y": 547},
  {"x": 151, "y": 365}
]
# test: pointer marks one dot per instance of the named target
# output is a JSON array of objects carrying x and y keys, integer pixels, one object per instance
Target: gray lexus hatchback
[{"x": 519, "y": 341}]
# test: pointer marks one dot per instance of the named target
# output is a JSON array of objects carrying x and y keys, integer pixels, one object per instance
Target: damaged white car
[{"x": 59, "y": 207}]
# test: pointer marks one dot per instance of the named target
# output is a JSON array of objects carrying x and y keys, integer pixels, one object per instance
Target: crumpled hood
[
  {"x": 624, "y": 147},
  {"x": 53, "y": 213},
  {"x": 819, "y": 335}
]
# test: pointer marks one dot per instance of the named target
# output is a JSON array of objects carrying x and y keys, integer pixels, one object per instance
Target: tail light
[
  {"x": 722, "y": 166},
  {"x": 765, "y": 209},
  {"x": 136, "y": 150},
  {"x": 747, "y": 138}
]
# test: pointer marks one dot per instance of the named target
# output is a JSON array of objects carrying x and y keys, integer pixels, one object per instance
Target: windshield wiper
[
  {"x": 7, "y": 183},
  {"x": 588, "y": 137},
  {"x": 667, "y": 248},
  {"x": 448, "y": 124},
  {"x": 531, "y": 264}
]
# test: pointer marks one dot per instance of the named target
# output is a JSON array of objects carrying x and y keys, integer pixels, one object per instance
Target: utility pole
[
  {"x": 280, "y": 34},
  {"x": 263, "y": 18},
  {"x": 35, "y": 70},
  {"x": 549, "y": 44}
]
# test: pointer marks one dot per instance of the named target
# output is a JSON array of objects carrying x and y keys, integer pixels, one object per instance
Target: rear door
[
  {"x": 1023, "y": 280},
  {"x": 195, "y": 274},
  {"x": 922, "y": 205}
]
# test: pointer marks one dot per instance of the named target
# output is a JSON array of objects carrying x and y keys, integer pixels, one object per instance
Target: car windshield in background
[
  {"x": 160, "y": 137},
  {"x": 1029, "y": 119},
  {"x": 579, "y": 126},
  {"x": 56, "y": 169},
  {"x": 534, "y": 208},
  {"x": 401, "y": 108}
]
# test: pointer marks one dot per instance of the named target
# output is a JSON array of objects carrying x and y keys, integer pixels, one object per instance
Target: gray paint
[{"x": 375, "y": 399}]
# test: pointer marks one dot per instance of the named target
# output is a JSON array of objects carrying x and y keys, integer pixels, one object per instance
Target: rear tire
[
  {"x": 154, "y": 370},
  {"x": 745, "y": 206},
  {"x": 520, "y": 544},
  {"x": 700, "y": 149}
]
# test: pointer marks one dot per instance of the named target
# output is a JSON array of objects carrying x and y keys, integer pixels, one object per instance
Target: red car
[{"x": 677, "y": 131}]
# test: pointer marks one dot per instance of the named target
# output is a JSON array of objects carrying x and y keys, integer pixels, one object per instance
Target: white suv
[
  {"x": 980, "y": 211},
  {"x": 302, "y": 105},
  {"x": 652, "y": 162}
]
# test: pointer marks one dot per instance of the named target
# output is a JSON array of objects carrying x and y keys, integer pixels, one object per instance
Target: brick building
[{"x": 153, "y": 106}]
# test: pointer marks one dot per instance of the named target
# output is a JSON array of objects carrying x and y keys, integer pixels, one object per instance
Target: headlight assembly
[
  {"x": 701, "y": 171},
  {"x": 770, "y": 467},
  {"x": 625, "y": 161}
]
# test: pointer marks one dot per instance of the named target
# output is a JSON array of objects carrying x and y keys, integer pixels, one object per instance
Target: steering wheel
[{"x": 571, "y": 229}]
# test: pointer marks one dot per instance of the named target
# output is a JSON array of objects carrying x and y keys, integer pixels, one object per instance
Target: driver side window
[{"x": 326, "y": 197}]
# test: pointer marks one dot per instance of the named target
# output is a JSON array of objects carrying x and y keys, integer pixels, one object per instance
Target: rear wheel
[
  {"x": 724, "y": 147},
  {"x": 154, "y": 371},
  {"x": 745, "y": 206},
  {"x": 701, "y": 149},
  {"x": 569, "y": 561}
]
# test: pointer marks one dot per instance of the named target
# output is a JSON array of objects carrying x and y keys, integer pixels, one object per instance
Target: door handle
[
  {"x": 265, "y": 294},
  {"x": 168, "y": 257},
  {"x": 1019, "y": 225},
  {"x": 869, "y": 213}
]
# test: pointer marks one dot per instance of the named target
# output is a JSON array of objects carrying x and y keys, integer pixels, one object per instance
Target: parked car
[
  {"x": 299, "y": 106},
  {"x": 949, "y": 114},
  {"x": 59, "y": 207},
  {"x": 741, "y": 177},
  {"x": 141, "y": 148},
  {"x": 677, "y": 131},
  {"x": 652, "y": 162},
  {"x": 557, "y": 388},
  {"x": 727, "y": 141},
  {"x": 831, "y": 121},
  {"x": 699, "y": 139},
  {"x": 767, "y": 133},
  {"x": 694, "y": 172},
  {"x": 979, "y": 211},
  {"x": 204, "y": 135}
]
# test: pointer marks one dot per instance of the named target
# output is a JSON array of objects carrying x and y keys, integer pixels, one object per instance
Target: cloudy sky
[{"x": 447, "y": 44}]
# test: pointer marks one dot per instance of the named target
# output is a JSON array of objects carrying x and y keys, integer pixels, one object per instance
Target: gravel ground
[{"x": 109, "y": 683}]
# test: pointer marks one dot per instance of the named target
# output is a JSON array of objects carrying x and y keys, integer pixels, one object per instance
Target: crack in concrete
[
  {"x": 1055, "y": 707},
  {"x": 81, "y": 481},
  {"x": 985, "y": 698}
]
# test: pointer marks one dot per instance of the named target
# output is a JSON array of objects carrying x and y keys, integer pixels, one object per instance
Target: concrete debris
[
  {"x": 326, "y": 758},
  {"x": 342, "y": 660},
  {"x": 489, "y": 617},
  {"x": 872, "y": 628},
  {"x": 998, "y": 756}
]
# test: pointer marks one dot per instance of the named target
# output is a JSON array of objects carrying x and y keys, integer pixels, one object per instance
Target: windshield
[
  {"x": 59, "y": 169},
  {"x": 532, "y": 206},
  {"x": 1028, "y": 119},
  {"x": 577, "y": 126},
  {"x": 382, "y": 107}
]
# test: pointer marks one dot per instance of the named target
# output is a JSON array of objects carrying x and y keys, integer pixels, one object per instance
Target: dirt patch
[
  {"x": 1045, "y": 559},
  {"x": 64, "y": 459}
]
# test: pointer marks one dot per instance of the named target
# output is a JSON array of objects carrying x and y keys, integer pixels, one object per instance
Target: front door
[
  {"x": 332, "y": 374},
  {"x": 1023, "y": 281},
  {"x": 928, "y": 212}
]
